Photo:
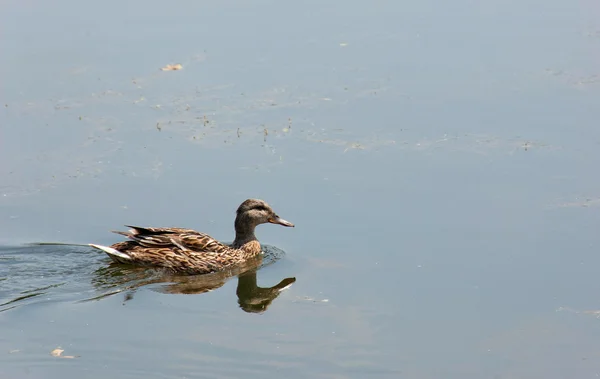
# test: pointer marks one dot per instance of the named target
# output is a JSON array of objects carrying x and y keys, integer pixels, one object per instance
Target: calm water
[{"x": 439, "y": 161}]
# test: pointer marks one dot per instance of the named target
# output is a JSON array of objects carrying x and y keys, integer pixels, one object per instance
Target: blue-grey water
[{"x": 439, "y": 160}]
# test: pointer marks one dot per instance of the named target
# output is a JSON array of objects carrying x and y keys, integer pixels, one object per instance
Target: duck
[{"x": 187, "y": 251}]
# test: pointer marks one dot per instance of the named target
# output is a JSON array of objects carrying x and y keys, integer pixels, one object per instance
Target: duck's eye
[{"x": 260, "y": 208}]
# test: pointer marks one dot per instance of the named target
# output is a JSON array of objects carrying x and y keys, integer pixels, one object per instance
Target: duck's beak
[{"x": 280, "y": 221}]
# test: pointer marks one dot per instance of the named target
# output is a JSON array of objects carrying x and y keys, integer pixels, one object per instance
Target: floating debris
[
  {"x": 354, "y": 145},
  {"x": 584, "y": 202},
  {"x": 58, "y": 354},
  {"x": 593, "y": 312},
  {"x": 172, "y": 67},
  {"x": 310, "y": 299}
]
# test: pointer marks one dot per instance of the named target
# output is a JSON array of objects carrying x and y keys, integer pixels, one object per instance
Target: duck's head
[{"x": 253, "y": 212}]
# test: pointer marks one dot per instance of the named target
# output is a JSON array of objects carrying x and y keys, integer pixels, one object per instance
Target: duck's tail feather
[
  {"x": 110, "y": 251},
  {"x": 126, "y": 234}
]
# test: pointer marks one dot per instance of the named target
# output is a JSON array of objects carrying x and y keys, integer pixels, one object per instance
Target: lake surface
[{"x": 439, "y": 161}]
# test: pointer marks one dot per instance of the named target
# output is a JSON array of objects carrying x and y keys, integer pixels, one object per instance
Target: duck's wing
[
  {"x": 178, "y": 249},
  {"x": 200, "y": 243},
  {"x": 188, "y": 240}
]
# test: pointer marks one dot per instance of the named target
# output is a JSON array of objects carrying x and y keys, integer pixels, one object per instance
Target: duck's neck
[{"x": 244, "y": 232}]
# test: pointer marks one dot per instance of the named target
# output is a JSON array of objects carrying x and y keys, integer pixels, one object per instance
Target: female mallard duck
[{"x": 191, "y": 252}]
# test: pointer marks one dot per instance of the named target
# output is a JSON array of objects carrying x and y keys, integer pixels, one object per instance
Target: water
[{"x": 437, "y": 159}]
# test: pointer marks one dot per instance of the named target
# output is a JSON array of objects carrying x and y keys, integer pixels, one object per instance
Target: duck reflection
[
  {"x": 255, "y": 299},
  {"x": 116, "y": 278}
]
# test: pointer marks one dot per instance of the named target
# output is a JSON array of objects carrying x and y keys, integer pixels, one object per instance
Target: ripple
[{"x": 63, "y": 272}]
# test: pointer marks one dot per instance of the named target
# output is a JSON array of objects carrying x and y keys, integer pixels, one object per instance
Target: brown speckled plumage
[{"x": 191, "y": 252}]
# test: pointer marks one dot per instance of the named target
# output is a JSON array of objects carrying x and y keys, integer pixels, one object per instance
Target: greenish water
[{"x": 438, "y": 161}]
